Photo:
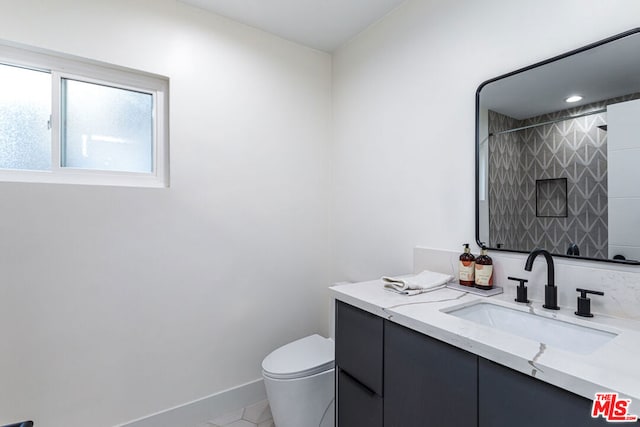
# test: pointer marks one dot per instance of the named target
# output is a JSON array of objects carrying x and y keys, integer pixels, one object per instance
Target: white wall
[
  {"x": 118, "y": 302},
  {"x": 404, "y": 105}
]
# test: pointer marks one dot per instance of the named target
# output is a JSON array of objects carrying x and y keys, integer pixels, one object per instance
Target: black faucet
[{"x": 550, "y": 290}]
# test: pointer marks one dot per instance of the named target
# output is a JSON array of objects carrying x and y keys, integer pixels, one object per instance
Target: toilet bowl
[{"x": 299, "y": 378}]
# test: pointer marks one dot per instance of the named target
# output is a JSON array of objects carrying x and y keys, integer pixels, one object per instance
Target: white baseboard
[{"x": 204, "y": 409}]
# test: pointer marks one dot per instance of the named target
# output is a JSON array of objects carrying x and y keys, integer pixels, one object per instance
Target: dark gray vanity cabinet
[
  {"x": 388, "y": 375},
  {"x": 427, "y": 383},
  {"x": 356, "y": 404},
  {"x": 508, "y": 398},
  {"x": 359, "y": 367}
]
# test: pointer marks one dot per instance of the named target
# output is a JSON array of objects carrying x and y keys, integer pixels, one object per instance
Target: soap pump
[
  {"x": 466, "y": 267},
  {"x": 484, "y": 270}
]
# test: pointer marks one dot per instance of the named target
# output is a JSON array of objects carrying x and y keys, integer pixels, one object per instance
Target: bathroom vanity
[{"x": 415, "y": 361}]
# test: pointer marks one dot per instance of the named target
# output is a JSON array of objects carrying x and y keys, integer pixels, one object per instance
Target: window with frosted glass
[
  {"x": 106, "y": 128},
  {"x": 70, "y": 121},
  {"x": 25, "y": 111}
]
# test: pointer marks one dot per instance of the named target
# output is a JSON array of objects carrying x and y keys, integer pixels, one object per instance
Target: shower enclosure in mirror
[{"x": 558, "y": 152}]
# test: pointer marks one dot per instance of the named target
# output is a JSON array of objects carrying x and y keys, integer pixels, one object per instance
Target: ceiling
[
  {"x": 598, "y": 74},
  {"x": 321, "y": 24}
]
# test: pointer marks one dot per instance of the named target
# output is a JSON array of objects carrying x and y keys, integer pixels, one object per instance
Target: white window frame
[{"x": 84, "y": 70}]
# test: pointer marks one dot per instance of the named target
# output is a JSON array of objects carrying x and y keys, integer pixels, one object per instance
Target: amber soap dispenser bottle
[
  {"x": 466, "y": 267},
  {"x": 484, "y": 270}
]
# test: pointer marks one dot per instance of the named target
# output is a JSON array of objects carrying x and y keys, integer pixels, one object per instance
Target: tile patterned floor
[{"x": 256, "y": 415}]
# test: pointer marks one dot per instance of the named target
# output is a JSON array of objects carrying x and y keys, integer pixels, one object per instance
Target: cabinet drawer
[
  {"x": 357, "y": 406},
  {"x": 428, "y": 383},
  {"x": 528, "y": 402},
  {"x": 359, "y": 345}
]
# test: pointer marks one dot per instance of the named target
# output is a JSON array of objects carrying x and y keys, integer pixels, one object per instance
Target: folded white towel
[{"x": 417, "y": 284}]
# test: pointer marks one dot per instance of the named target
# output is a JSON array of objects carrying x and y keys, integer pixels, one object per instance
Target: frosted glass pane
[
  {"x": 25, "y": 108},
  {"x": 106, "y": 128}
]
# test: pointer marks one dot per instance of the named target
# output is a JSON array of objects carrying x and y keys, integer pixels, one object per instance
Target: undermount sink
[{"x": 552, "y": 332}]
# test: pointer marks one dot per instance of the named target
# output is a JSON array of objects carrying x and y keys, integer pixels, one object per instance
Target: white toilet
[{"x": 299, "y": 378}]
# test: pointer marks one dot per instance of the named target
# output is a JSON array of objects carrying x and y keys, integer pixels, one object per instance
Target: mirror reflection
[{"x": 558, "y": 147}]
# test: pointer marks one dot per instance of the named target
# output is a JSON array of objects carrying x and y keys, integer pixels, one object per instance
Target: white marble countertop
[{"x": 611, "y": 367}]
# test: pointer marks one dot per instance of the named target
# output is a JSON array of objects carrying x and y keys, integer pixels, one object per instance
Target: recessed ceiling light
[{"x": 573, "y": 98}]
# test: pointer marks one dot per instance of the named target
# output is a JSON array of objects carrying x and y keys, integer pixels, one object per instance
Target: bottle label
[
  {"x": 466, "y": 270},
  {"x": 484, "y": 275}
]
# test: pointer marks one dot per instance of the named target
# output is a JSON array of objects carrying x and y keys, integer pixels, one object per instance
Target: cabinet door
[
  {"x": 427, "y": 383},
  {"x": 357, "y": 406},
  {"x": 508, "y": 398},
  {"x": 359, "y": 343}
]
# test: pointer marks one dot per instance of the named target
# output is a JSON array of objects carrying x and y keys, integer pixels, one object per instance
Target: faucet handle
[
  {"x": 521, "y": 289},
  {"x": 584, "y": 303}
]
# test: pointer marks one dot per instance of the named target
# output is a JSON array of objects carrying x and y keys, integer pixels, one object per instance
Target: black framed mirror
[{"x": 572, "y": 119}]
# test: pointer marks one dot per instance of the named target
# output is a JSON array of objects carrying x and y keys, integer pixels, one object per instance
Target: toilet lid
[{"x": 301, "y": 358}]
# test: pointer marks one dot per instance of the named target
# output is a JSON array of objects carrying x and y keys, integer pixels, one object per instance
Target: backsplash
[{"x": 620, "y": 283}]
